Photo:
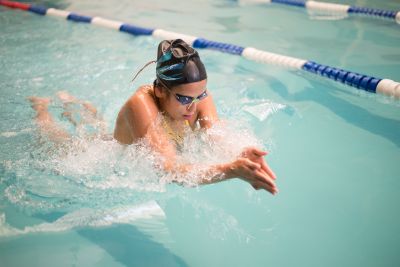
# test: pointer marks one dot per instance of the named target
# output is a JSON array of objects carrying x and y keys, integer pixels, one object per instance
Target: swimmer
[
  {"x": 180, "y": 94},
  {"x": 180, "y": 97}
]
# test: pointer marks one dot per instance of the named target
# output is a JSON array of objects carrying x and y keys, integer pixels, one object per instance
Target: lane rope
[
  {"x": 360, "y": 81},
  {"x": 333, "y": 8}
]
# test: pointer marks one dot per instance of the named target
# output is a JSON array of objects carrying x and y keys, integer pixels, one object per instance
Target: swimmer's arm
[
  {"x": 249, "y": 166},
  {"x": 250, "y": 169},
  {"x": 242, "y": 168}
]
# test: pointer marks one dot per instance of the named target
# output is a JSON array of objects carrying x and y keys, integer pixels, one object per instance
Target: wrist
[{"x": 229, "y": 170}]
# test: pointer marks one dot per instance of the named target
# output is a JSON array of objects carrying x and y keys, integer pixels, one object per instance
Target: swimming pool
[{"x": 335, "y": 149}]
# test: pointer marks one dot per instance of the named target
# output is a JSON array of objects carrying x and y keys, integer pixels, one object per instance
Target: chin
[{"x": 177, "y": 117}]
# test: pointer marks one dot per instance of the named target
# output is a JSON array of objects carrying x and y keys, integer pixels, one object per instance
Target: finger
[
  {"x": 265, "y": 173},
  {"x": 252, "y": 165},
  {"x": 256, "y": 187},
  {"x": 266, "y": 187},
  {"x": 268, "y": 170},
  {"x": 262, "y": 177}
]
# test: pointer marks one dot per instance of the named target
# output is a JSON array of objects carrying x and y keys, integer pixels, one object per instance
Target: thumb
[{"x": 259, "y": 153}]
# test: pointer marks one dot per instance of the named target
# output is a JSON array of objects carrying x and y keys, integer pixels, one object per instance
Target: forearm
[
  {"x": 242, "y": 168},
  {"x": 189, "y": 173},
  {"x": 216, "y": 173}
]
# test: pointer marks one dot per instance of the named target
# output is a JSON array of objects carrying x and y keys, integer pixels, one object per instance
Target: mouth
[{"x": 187, "y": 116}]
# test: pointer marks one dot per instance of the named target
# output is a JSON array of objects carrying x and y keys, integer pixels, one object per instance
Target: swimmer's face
[{"x": 176, "y": 96}]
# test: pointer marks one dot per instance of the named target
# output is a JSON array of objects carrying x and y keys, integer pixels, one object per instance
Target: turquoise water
[{"x": 334, "y": 149}]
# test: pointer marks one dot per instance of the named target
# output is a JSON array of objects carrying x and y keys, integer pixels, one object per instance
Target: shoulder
[
  {"x": 207, "y": 111},
  {"x": 143, "y": 101},
  {"x": 141, "y": 108},
  {"x": 143, "y": 93},
  {"x": 140, "y": 111}
]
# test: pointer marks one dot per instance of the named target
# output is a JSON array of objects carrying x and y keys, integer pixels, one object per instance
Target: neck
[{"x": 157, "y": 100}]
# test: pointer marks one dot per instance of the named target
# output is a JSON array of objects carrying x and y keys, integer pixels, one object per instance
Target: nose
[{"x": 192, "y": 106}]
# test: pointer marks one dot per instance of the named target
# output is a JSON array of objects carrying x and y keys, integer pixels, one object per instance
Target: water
[{"x": 335, "y": 149}]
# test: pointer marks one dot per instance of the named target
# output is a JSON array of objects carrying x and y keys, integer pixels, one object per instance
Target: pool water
[{"x": 334, "y": 149}]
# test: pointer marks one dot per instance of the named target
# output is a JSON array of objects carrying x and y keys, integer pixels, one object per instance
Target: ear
[{"x": 159, "y": 91}]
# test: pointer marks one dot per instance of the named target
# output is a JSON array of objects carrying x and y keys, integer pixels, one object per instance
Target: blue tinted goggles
[{"x": 184, "y": 100}]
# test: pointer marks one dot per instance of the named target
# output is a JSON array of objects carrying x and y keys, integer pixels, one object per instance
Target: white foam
[
  {"x": 89, "y": 218},
  {"x": 12, "y": 134},
  {"x": 262, "y": 109},
  {"x": 37, "y": 79},
  {"x": 8, "y": 134}
]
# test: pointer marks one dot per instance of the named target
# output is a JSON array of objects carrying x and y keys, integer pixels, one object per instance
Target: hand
[
  {"x": 256, "y": 155},
  {"x": 253, "y": 173}
]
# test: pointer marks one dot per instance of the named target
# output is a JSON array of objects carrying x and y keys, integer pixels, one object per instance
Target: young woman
[
  {"x": 180, "y": 95},
  {"x": 161, "y": 113}
]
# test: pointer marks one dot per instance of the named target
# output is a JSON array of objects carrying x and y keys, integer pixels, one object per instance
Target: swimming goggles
[{"x": 184, "y": 100}]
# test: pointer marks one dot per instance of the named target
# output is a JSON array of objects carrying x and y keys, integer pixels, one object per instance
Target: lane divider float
[
  {"x": 333, "y": 8},
  {"x": 360, "y": 81}
]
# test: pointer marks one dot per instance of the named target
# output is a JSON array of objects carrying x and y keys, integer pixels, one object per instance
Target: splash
[
  {"x": 262, "y": 109},
  {"x": 85, "y": 173},
  {"x": 92, "y": 179}
]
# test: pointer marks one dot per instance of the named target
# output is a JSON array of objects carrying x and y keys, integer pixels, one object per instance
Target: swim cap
[{"x": 178, "y": 63}]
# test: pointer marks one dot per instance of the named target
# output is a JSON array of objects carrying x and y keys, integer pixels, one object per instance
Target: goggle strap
[
  {"x": 193, "y": 101},
  {"x": 147, "y": 64}
]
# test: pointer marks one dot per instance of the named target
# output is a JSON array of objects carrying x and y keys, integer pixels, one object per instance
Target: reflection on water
[{"x": 88, "y": 217}]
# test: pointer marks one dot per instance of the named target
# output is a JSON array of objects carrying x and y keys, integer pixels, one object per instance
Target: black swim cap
[{"x": 178, "y": 63}]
